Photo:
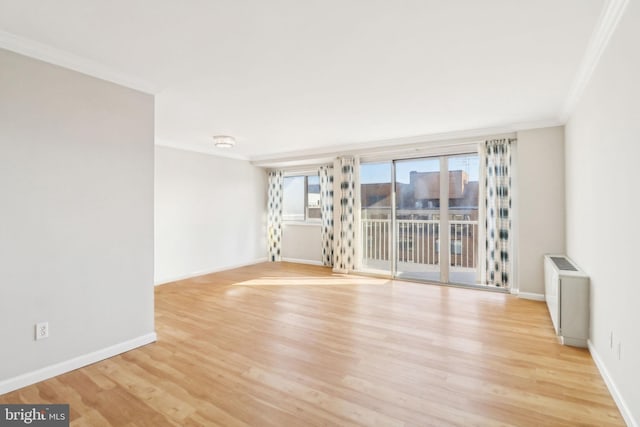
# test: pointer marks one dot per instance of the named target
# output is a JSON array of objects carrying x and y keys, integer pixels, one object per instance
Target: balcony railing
[{"x": 419, "y": 241}]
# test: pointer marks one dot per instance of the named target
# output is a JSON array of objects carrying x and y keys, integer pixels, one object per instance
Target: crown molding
[
  {"x": 607, "y": 23},
  {"x": 65, "y": 59}
]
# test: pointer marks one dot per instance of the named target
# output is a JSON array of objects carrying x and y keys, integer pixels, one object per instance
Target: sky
[{"x": 372, "y": 173}]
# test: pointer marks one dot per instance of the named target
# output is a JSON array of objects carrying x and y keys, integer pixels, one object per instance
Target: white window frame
[{"x": 306, "y": 220}]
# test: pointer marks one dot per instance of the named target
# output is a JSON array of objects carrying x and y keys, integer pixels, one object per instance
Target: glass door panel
[
  {"x": 376, "y": 217},
  {"x": 463, "y": 218},
  {"x": 418, "y": 218}
]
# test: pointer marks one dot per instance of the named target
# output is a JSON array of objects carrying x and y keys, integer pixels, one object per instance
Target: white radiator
[{"x": 566, "y": 289}]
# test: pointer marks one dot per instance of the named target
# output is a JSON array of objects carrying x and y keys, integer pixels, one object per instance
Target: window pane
[
  {"x": 375, "y": 173},
  {"x": 417, "y": 224},
  {"x": 313, "y": 197},
  {"x": 375, "y": 186},
  {"x": 375, "y": 197},
  {"x": 418, "y": 186},
  {"x": 293, "y": 198},
  {"x": 463, "y": 217}
]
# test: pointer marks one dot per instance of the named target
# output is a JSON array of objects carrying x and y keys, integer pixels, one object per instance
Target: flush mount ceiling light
[{"x": 224, "y": 141}]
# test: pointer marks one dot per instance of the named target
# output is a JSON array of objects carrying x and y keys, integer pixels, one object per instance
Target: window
[
  {"x": 301, "y": 198},
  {"x": 313, "y": 197}
]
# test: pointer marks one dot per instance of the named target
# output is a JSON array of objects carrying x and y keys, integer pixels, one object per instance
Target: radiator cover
[{"x": 567, "y": 296}]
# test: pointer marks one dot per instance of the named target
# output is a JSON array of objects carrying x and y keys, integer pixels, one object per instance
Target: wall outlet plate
[{"x": 42, "y": 330}]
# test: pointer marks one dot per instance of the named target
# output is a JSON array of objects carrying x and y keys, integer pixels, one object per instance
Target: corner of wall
[{"x": 540, "y": 203}]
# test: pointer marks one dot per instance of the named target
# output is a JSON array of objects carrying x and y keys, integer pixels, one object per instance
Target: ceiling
[{"x": 285, "y": 76}]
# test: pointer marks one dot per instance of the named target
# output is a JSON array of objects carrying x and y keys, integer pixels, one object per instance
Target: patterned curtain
[
  {"x": 326, "y": 210},
  {"x": 498, "y": 212},
  {"x": 345, "y": 221},
  {"x": 274, "y": 215}
]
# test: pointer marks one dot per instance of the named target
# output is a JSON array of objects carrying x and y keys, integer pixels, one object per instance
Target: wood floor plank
[{"x": 280, "y": 344}]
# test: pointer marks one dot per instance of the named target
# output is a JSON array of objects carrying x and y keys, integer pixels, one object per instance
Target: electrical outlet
[{"x": 42, "y": 330}]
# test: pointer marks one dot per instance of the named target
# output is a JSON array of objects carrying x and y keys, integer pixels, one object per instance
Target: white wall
[
  {"x": 302, "y": 243},
  {"x": 541, "y": 205},
  {"x": 76, "y": 218},
  {"x": 210, "y": 214},
  {"x": 602, "y": 165}
]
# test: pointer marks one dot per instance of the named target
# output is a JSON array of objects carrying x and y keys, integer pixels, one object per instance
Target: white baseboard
[
  {"x": 209, "y": 271},
  {"x": 531, "y": 296},
  {"x": 77, "y": 362},
  {"x": 302, "y": 261},
  {"x": 617, "y": 397}
]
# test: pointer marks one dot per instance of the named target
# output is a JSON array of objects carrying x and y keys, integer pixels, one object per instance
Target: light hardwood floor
[{"x": 292, "y": 345}]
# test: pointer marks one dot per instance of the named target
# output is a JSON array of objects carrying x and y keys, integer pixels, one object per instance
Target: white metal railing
[
  {"x": 463, "y": 235},
  {"x": 418, "y": 241},
  {"x": 375, "y": 239}
]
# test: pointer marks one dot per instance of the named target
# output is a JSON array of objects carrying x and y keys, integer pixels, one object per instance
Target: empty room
[{"x": 312, "y": 213}]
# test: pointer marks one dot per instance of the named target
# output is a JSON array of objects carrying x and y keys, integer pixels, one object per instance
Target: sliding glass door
[
  {"x": 376, "y": 201},
  {"x": 420, "y": 218},
  {"x": 463, "y": 218},
  {"x": 417, "y": 219}
]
